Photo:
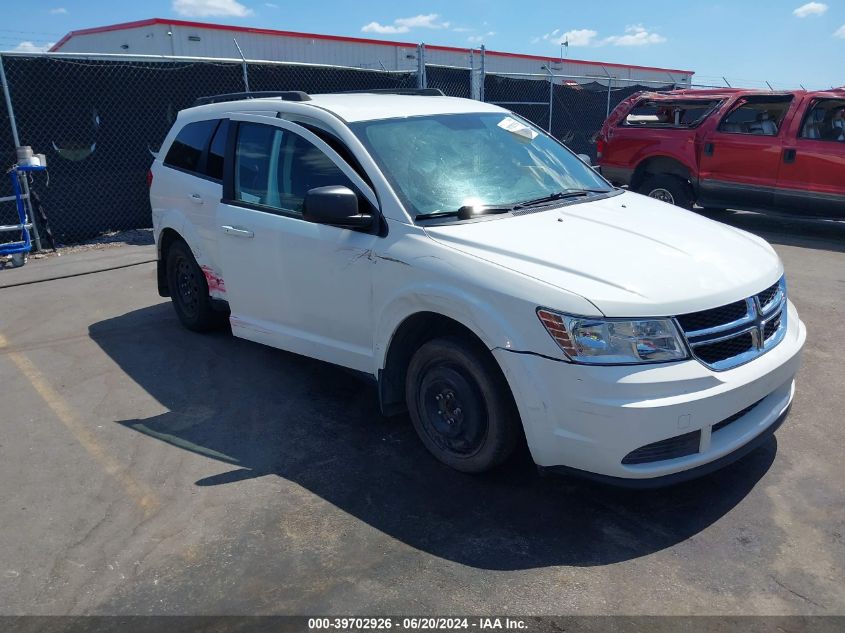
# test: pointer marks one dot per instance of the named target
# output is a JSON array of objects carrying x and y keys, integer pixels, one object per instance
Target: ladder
[{"x": 18, "y": 249}]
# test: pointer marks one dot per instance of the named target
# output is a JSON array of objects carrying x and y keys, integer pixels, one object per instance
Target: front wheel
[
  {"x": 461, "y": 405},
  {"x": 669, "y": 189}
]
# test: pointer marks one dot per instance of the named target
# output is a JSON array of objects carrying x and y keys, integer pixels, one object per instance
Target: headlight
[{"x": 614, "y": 341}]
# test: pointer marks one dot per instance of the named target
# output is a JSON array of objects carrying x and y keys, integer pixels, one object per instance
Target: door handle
[
  {"x": 237, "y": 232},
  {"x": 789, "y": 155},
  {"x": 196, "y": 198},
  {"x": 708, "y": 149}
]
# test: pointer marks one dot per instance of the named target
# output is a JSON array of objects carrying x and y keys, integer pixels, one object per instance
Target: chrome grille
[
  {"x": 711, "y": 318},
  {"x": 736, "y": 333}
]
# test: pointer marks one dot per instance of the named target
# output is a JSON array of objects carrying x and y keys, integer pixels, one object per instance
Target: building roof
[{"x": 340, "y": 38}]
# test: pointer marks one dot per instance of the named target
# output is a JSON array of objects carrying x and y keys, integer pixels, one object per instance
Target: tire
[
  {"x": 480, "y": 428},
  {"x": 189, "y": 290},
  {"x": 669, "y": 189}
]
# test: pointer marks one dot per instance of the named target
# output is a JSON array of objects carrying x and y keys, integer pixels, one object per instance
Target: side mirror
[
  {"x": 586, "y": 158},
  {"x": 336, "y": 205}
]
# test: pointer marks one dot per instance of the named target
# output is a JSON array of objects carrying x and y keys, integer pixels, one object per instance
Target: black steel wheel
[
  {"x": 461, "y": 405},
  {"x": 189, "y": 290}
]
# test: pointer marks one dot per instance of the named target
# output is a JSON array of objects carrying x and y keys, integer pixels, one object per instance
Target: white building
[{"x": 158, "y": 36}]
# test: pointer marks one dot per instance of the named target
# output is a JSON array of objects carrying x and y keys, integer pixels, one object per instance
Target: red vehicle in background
[{"x": 731, "y": 148}]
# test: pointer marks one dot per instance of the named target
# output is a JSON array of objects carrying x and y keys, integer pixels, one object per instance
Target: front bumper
[{"x": 588, "y": 418}]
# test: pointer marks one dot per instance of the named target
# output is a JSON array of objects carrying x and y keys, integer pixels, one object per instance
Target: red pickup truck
[{"x": 731, "y": 148}]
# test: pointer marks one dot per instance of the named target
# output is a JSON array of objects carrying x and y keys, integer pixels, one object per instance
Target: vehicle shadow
[
  {"x": 264, "y": 412},
  {"x": 788, "y": 230}
]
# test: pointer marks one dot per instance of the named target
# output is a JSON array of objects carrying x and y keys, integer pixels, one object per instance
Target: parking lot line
[{"x": 138, "y": 492}]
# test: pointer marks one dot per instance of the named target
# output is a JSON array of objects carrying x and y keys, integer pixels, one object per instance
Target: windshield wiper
[
  {"x": 559, "y": 195},
  {"x": 468, "y": 212},
  {"x": 465, "y": 213}
]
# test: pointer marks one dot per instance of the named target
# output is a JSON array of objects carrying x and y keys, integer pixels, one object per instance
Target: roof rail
[
  {"x": 418, "y": 92},
  {"x": 285, "y": 95}
]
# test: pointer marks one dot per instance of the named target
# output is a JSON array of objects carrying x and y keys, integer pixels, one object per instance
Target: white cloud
[
  {"x": 429, "y": 21},
  {"x": 403, "y": 25},
  {"x": 58, "y": 11},
  {"x": 271, "y": 5},
  {"x": 575, "y": 37},
  {"x": 578, "y": 37},
  {"x": 840, "y": 32},
  {"x": 375, "y": 27},
  {"x": 477, "y": 39},
  {"x": 206, "y": 8},
  {"x": 635, "y": 35},
  {"x": 31, "y": 47},
  {"x": 811, "y": 8}
]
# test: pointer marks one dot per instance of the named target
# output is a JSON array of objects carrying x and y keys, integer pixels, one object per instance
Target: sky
[{"x": 785, "y": 42}]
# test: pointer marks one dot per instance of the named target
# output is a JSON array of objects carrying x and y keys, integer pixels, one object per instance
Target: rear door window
[
  {"x": 187, "y": 150},
  {"x": 664, "y": 113},
  {"x": 216, "y": 151},
  {"x": 761, "y": 116}
]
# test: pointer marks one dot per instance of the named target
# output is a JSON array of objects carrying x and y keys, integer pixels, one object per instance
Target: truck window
[
  {"x": 664, "y": 113},
  {"x": 760, "y": 116},
  {"x": 825, "y": 120},
  {"x": 275, "y": 168},
  {"x": 257, "y": 147},
  {"x": 216, "y": 151},
  {"x": 187, "y": 149}
]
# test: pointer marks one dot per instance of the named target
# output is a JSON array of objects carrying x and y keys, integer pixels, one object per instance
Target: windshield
[{"x": 438, "y": 164}]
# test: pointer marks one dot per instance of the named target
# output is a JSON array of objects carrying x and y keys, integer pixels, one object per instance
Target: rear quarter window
[
  {"x": 681, "y": 113},
  {"x": 187, "y": 149}
]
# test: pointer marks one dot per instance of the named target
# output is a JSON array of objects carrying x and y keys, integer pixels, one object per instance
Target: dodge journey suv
[{"x": 497, "y": 288}]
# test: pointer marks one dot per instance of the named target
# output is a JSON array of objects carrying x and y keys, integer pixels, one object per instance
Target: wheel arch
[
  {"x": 660, "y": 164},
  {"x": 414, "y": 331},
  {"x": 166, "y": 239}
]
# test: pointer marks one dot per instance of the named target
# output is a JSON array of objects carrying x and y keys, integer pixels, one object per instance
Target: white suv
[{"x": 494, "y": 284}]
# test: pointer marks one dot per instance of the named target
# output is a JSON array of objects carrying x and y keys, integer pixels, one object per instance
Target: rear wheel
[
  {"x": 189, "y": 290},
  {"x": 461, "y": 405},
  {"x": 669, "y": 189}
]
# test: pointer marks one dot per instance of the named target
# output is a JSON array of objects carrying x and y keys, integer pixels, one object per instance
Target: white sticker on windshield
[{"x": 515, "y": 127}]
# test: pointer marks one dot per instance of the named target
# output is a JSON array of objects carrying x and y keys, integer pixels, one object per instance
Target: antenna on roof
[{"x": 243, "y": 64}]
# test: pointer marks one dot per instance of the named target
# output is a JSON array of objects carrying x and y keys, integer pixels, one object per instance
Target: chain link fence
[
  {"x": 571, "y": 108},
  {"x": 99, "y": 121},
  {"x": 100, "y": 118}
]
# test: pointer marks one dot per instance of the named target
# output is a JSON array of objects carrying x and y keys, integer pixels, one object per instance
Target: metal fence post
[
  {"x": 243, "y": 65},
  {"x": 422, "y": 81},
  {"x": 609, "y": 86},
  {"x": 483, "y": 73},
  {"x": 473, "y": 93},
  {"x": 551, "y": 98},
  {"x": 36, "y": 238}
]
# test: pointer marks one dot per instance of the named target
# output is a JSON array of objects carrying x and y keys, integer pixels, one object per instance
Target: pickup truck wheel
[
  {"x": 189, "y": 290},
  {"x": 666, "y": 188},
  {"x": 461, "y": 405}
]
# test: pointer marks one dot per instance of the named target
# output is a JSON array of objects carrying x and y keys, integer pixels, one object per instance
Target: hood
[{"x": 628, "y": 254}]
